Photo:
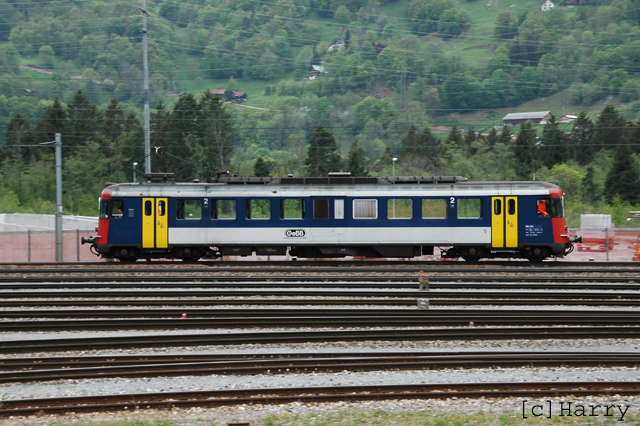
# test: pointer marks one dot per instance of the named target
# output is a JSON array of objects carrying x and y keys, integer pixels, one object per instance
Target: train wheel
[
  {"x": 471, "y": 259},
  {"x": 538, "y": 254},
  {"x": 125, "y": 255}
]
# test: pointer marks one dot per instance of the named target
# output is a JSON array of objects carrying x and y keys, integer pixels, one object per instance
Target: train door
[
  {"x": 504, "y": 222},
  {"x": 340, "y": 229},
  {"x": 155, "y": 230}
]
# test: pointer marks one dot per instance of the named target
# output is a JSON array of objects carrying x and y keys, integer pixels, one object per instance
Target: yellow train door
[
  {"x": 155, "y": 229},
  {"x": 511, "y": 225},
  {"x": 497, "y": 222},
  {"x": 504, "y": 222}
]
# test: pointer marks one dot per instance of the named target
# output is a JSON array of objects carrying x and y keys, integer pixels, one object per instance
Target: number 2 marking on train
[
  {"x": 452, "y": 200},
  {"x": 206, "y": 201}
]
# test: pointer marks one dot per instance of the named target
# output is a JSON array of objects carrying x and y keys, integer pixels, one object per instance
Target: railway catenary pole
[
  {"x": 58, "y": 149},
  {"x": 145, "y": 61},
  {"x": 58, "y": 145}
]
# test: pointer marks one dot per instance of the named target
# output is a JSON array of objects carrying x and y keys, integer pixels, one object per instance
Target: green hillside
[{"x": 446, "y": 70}]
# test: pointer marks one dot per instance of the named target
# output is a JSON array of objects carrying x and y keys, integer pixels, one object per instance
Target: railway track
[
  {"x": 169, "y": 400},
  {"x": 194, "y": 289},
  {"x": 434, "y": 301},
  {"x": 91, "y": 367},
  {"x": 323, "y": 321},
  {"x": 282, "y": 337},
  {"x": 166, "y": 319},
  {"x": 234, "y": 313},
  {"x": 557, "y": 295},
  {"x": 617, "y": 283}
]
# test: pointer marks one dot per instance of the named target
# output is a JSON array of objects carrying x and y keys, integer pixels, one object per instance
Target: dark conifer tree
[
  {"x": 428, "y": 145},
  {"x": 524, "y": 152},
  {"x": 54, "y": 120},
  {"x": 356, "y": 164},
  {"x": 19, "y": 133},
  {"x": 590, "y": 192},
  {"x": 183, "y": 131},
  {"x": 112, "y": 122},
  {"x": 322, "y": 156},
  {"x": 553, "y": 148},
  {"x": 261, "y": 168},
  {"x": 217, "y": 133},
  {"x": 505, "y": 136},
  {"x": 623, "y": 178},
  {"x": 492, "y": 137},
  {"x": 609, "y": 130},
  {"x": 634, "y": 137},
  {"x": 83, "y": 121},
  {"x": 409, "y": 146},
  {"x": 581, "y": 148}
]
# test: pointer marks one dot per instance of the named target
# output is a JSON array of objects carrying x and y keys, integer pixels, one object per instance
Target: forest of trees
[{"x": 397, "y": 74}]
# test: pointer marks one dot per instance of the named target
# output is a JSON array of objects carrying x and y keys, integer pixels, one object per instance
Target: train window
[
  {"x": 511, "y": 206},
  {"x": 434, "y": 208},
  {"x": 162, "y": 207},
  {"x": 258, "y": 208},
  {"x": 550, "y": 207},
  {"x": 365, "y": 209},
  {"x": 148, "y": 209},
  {"x": 117, "y": 209},
  {"x": 104, "y": 209},
  {"x": 399, "y": 208},
  {"x": 469, "y": 208},
  {"x": 189, "y": 209},
  {"x": 338, "y": 209},
  {"x": 223, "y": 209},
  {"x": 543, "y": 207},
  {"x": 497, "y": 207},
  {"x": 321, "y": 209},
  {"x": 292, "y": 208}
]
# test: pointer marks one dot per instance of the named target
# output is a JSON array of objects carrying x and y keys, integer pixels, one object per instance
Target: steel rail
[
  {"x": 526, "y": 319},
  {"x": 280, "y": 337},
  {"x": 191, "y": 313},
  {"x": 443, "y": 294},
  {"x": 168, "y": 400},
  {"x": 328, "y": 262},
  {"x": 253, "y": 267},
  {"x": 112, "y": 367},
  {"x": 433, "y": 301},
  {"x": 624, "y": 283},
  {"x": 255, "y": 280},
  {"x": 85, "y": 361}
]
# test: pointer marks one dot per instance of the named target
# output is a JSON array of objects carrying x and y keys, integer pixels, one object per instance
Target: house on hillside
[
  {"x": 516, "y": 119},
  {"x": 567, "y": 118},
  {"x": 237, "y": 96},
  {"x": 315, "y": 71},
  {"x": 217, "y": 92},
  {"x": 338, "y": 45}
]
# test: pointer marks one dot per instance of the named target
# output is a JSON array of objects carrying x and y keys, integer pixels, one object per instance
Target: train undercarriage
[{"x": 471, "y": 253}]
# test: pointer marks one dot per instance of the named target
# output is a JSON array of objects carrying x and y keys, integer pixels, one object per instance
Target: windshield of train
[
  {"x": 104, "y": 209},
  {"x": 557, "y": 207}
]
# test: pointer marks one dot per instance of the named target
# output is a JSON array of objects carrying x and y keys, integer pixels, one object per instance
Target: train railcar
[{"x": 331, "y": 216}]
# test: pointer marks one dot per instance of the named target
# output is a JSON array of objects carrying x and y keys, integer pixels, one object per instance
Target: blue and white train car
[{"x": 332, "y": 217}]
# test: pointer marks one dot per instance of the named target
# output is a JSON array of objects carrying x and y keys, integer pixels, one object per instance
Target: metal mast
[
  {"x": 58, "y": 145},
  {"x": 145, "y": 60}
]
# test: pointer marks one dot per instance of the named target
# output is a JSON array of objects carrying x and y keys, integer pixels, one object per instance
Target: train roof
[{"x": 332, "y": 185}]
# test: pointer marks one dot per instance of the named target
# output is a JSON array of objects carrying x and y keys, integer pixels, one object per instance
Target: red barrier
[
  {"x": 622, "y": 245},
  {"x": 41, "y": 247}
]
